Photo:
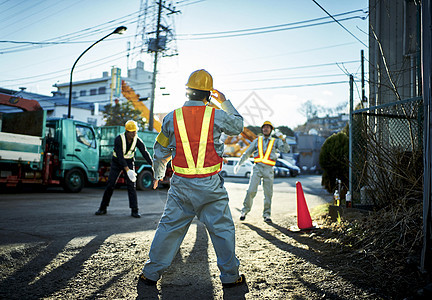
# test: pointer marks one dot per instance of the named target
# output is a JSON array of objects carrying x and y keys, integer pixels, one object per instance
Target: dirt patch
[{"x": 278, "y": 264}]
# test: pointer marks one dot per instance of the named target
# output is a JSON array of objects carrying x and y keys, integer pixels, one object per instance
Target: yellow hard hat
[
  {"x": 267, "y": 123},
  {"x": 131, "y": 125},
  {"x": 200, "y": 80}
]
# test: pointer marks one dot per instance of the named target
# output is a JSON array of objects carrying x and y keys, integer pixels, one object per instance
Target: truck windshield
[{"x": 85, "y": 136}]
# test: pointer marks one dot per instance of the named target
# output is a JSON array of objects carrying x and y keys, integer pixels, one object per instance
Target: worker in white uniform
[
  {"x": 191, "y": 136},
  {"x": 264, "y": 149}
]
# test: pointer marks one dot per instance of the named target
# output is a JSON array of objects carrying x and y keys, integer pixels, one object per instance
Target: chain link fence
[{"x": 387, "y": 153}]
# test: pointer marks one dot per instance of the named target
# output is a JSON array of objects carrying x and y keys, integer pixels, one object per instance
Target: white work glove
[
  {"x": 236, "y": 168},
  {"x": 132, "y": 175},
  {"x": 280, "y": 135}
]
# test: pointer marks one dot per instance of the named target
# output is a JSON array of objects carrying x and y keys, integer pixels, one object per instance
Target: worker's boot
[
  {"x": 135, "y": 213},
  {"x": 101, "y": 211},
  {"x": 240, "y": 281}
]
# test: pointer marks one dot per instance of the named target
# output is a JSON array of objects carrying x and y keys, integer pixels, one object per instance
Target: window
[
  {"x": 102, "y": 90},
  {"x": 74, "y": 94},
  {"x": 85, "y": 135},
  {"x": 93, "y": 92},
  {"x": 83, "y": 93}
]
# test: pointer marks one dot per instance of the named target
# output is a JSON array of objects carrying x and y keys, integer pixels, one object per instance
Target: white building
[{"x": 98, "y": 91}]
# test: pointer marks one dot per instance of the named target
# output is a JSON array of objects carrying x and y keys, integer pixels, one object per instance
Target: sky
[{"x": 268, "y": 57}]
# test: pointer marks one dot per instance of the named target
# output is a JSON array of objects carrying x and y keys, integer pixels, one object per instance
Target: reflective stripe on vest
[
  {"x": 265, "y": 158},
  {"x": 207, "y": 161},
  {"x": 130, "y": 154}
]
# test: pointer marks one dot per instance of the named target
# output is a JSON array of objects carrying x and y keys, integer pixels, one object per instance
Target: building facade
[{"x": 104, "y": 90}]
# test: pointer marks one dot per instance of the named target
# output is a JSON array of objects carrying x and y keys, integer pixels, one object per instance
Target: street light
[{"x": 118, "y": 30}]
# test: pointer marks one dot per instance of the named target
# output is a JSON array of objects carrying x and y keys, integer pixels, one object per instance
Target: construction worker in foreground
[
  {"x": 264, "y": 150},
  {"x": 191, "y": 136},
  {"x": 123, "y": 159}
]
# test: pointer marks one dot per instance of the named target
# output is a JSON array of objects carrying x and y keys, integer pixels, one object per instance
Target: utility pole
[
  {"x": 153, "y": 94},
  {"x": 351, "y": 104},
  {"x": 363, "y": 99},
  {"x": 156, "y": 45},
  {"x": 426, "y": 44}
]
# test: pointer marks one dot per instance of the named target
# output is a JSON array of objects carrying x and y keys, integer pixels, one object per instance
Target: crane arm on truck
[
  {"x": 19, "y": 102},
  {"x": 133, "y": 97}
]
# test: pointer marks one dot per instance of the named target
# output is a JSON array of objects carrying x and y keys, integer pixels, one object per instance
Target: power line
[
  {"x": 293, "y": 68},
  {"x": 269, "y": 31},
  {"x": 339, "y": 23},
  {"x": 32, "y": 24},
  {"x": 66, "y": 71},
  {"x": 288, "y": 78},
  {"x": 188, "y": 3},
  {"x": 293, "y": 86},
  {"x": 70, "y": 37},
  {"x": 272, "y": 26}
]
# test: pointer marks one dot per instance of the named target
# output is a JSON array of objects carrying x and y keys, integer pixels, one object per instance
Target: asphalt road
[{"x": 28, "y": 216}]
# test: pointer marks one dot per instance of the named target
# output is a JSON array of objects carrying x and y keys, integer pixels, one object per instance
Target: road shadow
[
  {"x": 313, "y": 256},
  {"x": 34, "y": 281}
]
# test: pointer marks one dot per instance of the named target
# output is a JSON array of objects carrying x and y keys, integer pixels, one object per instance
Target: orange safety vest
[
  {"x": 195, "y": 152},
  {"x": 265, "y": 158}
]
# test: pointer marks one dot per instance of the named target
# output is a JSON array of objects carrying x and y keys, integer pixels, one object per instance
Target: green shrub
[{"x": 333, "y": 160}]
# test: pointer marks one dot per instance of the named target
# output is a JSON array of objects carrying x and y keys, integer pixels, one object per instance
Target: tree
[
  {"x": 333, "y": 160},
  {"x": 309, "y": 110},
  {"x": 286, "y": 130},
  {"x": 120, "y": 113},
  {"x": 254, "y": 129}
]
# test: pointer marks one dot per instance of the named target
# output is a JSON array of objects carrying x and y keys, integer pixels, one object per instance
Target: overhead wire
[
  {"x": 292, "y": 86},
  {"x": 72, "y": 37},
  {"x": 16, "y": 4},
  {"x": 32, "y": 24},
  {"x": 82, "y": 33},
  {"x": 14, "y": 20},
  {"x": 272, "y": 26},
  {"x": 293, "y": 68},
  {"x": 266, "y": 31},
  {"x": 4, "y": 2},
  {"x": 352, "y": 34}
]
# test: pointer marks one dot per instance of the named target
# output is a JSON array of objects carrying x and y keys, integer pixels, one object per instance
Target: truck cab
[{"x": 74, "y": 147}]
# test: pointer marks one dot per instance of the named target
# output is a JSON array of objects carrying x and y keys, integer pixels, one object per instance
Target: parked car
[
  {"x": 284, "y": 168},
  {"x": 229, "y": 164}
]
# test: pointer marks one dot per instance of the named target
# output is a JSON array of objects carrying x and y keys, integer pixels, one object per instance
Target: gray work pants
[
  {"x": 266, "y": 173},
  {"x": 207, "y": 199}
]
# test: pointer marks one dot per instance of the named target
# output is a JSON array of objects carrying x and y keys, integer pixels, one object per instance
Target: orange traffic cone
[{"x": 304, "y": 220}]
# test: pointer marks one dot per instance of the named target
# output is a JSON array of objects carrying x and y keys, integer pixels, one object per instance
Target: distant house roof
[
  {"x": 47, "y": 102},
  {"x": 88, "y": 81}
]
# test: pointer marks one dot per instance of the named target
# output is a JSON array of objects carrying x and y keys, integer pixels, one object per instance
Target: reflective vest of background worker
[
  {"x": 264, "y": 151},
  {"x": 123, "y": 159},
  {"x": 191, "y": 135}
]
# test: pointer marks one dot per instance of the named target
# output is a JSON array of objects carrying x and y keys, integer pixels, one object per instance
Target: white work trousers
[
  {"x": 207, "y": 199},
  {"x": 266, "y": 173}
]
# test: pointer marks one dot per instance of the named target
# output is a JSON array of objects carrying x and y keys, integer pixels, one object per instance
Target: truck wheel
[
  {"x": 223, "y": 174},
  {"x": 73, "y": 181},
  {"x": 145, "y": 180}
]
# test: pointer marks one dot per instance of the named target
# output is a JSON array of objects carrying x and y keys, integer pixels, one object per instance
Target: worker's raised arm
[
  {"x": 252, "y": 147},
  {"x": 232, "y": 121}
]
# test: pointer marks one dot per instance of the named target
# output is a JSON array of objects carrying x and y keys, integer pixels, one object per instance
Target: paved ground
[{"x": 52, "y": 246}]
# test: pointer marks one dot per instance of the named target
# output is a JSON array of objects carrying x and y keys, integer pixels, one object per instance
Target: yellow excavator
[
  {"x": 133, "y": 97},
  {"x": 235, "y": 146}
]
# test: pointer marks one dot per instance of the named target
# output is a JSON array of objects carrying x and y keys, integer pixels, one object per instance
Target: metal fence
[{"x": 387, "y": 153}]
